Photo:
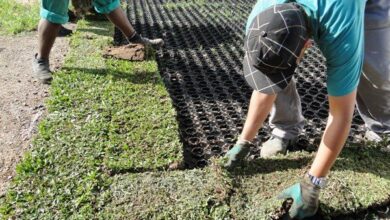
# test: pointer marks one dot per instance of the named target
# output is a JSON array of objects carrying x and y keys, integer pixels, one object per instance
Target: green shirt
[{"x": 338, "y": 29}]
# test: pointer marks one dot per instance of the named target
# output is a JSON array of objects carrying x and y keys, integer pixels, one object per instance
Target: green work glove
[
  {"x": 305, "y": 196},
  {"x": 235, "y": 156}
]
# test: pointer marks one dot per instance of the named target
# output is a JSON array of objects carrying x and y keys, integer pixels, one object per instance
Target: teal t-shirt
[{"x": 338, "y": 29}]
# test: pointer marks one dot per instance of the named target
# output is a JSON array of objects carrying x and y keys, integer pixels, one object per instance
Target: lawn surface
[
  {"x": 105, "y": 116},
  {"x": 110, "y": 133},
  {"x": 17, "y": 17}
]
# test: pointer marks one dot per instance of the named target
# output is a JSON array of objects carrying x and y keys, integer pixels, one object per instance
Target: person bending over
[{"x": 278, "y": 33}]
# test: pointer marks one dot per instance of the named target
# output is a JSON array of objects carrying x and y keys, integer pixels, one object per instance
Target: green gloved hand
[
  {"x": 235, "y": 156},
  {"x": 305, "y": 196}
]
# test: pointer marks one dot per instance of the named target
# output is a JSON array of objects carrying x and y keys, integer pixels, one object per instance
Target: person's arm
[
  {"x": 336, "y": 132},
  {"x": 259, "y": 108},
  {"x": 306, "y": 194}
]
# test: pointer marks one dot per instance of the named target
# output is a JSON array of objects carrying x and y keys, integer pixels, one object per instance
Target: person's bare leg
[
  {"x": 119, "y": 19},
  {"x": 259, "y": 108},
  {"x": 47, "y": 34}
]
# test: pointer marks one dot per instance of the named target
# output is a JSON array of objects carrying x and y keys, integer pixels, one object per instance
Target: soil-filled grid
[{"x": 201, "y": 64}]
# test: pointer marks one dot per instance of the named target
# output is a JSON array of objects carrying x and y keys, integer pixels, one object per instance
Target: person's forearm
[
  {"x": 332, "y": 143},
  {"x": 259, "y": 108},
  {"x": 335, "y": 135},
  {"x": 119, "y": 19}
]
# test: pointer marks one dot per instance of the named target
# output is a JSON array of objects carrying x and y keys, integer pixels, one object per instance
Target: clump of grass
[
  {"x": 191, "y": 194},
  {"x": 16, "y": 17}
]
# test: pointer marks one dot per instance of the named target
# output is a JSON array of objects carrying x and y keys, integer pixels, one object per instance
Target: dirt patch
[
  {"x": 132, "y": 52},
  {"x": 21, "y": 98}
]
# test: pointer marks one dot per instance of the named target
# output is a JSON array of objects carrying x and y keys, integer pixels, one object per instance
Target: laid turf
[
  {"x": 191, "y": 194},
  {"x": 360, "y": 179},
  {"x": 130, "y": 97},
  {"x": 104, "y": 116}
]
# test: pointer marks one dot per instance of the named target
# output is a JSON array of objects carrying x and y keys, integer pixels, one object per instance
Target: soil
[
  {"x": 21, "y": 98},
  {"x": 132, "y": 52}
]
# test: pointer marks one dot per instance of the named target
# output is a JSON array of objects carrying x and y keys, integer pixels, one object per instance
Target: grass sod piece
[
  {"x": 359, "y": 180},
  {"x": 61, "y": 176},
  {"x": 142, "y": 132},
  {"x": 64, "y": 175},
  {"x": 259, "y": 182},
  {"x": 17, "y": 17},
  {"x": 190, "y": 194}
]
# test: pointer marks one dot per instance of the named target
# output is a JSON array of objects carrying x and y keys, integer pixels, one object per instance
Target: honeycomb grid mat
[{"x": 201, "y": 66}]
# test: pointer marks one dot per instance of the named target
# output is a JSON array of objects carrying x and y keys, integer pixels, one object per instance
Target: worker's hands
[
  {"x": 235, "y": 156},
  {"x": 305, "y": 196}
]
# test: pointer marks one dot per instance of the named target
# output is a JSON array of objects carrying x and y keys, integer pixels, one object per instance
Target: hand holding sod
[{"x": 305, "y": 197}]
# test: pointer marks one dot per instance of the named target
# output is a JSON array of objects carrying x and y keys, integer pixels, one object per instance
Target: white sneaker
[
  {"x": 372, "y": 136},
  {"x": 275, "y": 145}
]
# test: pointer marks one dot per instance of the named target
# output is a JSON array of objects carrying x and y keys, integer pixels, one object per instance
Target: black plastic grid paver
[{"x": 201, "y": 65}]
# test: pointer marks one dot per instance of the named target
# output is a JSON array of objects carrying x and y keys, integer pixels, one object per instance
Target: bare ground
[{"x": 21, "y": 98}]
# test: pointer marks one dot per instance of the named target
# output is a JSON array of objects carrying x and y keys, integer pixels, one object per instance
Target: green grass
[
  {"x": 192, "y": 194},
  {"x": 360, "y": 179},
  {"x": 128, "y": 97},
  {"x": 17, "y": 17},
  {"x": 104, "y": 116}
]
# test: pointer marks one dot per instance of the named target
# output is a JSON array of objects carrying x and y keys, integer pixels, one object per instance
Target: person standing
[
  {"x": 373, "y": 94},
  {"x": 54, "y": 13}
]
